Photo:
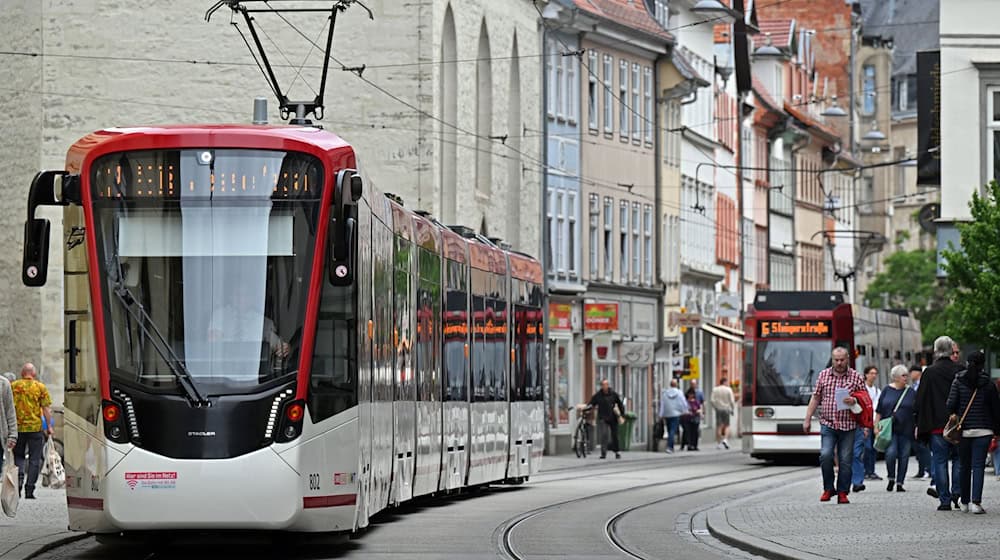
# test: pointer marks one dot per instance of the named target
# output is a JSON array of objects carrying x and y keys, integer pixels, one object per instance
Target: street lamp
[
  {"x": 874, "y": 135},
  {"x": 767, "y": 50},
  {"x": 714, "y": 8},
  {"x": 834, "y": 110}
]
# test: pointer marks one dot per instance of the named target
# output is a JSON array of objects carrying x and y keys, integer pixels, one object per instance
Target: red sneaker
[
  {"x": 842, "y": 498},
  {"x": 827, "y": 494}
]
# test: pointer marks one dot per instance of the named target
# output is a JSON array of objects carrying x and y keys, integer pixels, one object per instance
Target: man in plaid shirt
[{"x": 837, "y": 427}]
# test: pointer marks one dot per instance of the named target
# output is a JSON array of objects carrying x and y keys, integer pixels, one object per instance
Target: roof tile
[{"x": 632, "y": 13}]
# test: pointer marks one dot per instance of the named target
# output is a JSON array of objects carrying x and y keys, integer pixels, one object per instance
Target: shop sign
[
  {"x": 560, "y": 317},
  {"x": 636, "y": 353},
  {"x": 600, "y": 316},
  {"x": 601, "y": 344}
]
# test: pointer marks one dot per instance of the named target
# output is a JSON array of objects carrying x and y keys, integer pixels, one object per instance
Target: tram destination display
[{"x": 791, "y": 328}]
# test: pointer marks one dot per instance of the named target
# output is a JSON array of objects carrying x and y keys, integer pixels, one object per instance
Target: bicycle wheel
[{"x": 580, "y": 441}]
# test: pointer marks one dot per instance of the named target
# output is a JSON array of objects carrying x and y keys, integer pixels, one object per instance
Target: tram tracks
[
  {"x": 504, "y": 534},
  {"x": 611, "y": 526}
]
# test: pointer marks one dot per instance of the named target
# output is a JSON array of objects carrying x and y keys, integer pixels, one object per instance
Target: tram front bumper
[{"x": 254, "y": 491}]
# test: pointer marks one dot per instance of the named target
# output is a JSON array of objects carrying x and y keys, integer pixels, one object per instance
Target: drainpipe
[{"x": 543, "y": 253}]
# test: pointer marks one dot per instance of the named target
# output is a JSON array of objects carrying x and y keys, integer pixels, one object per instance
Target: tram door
[{"x": 363, "y": 279}]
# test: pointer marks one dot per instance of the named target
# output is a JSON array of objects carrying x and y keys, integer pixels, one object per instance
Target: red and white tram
[{"x": 257, "y": 339}]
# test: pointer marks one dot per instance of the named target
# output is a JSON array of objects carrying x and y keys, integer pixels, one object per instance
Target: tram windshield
[
  {"x": 787, "y": 370},
  {"x": 206, "y": 258}
]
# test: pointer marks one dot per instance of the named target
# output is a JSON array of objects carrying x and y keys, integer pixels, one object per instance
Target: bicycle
[{"x": 581, "y": 435}]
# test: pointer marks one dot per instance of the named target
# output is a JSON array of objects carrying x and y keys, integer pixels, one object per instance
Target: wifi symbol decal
[{"x": 132, "y": 484}]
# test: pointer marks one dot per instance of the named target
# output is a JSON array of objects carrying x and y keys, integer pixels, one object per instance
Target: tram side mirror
[
  {"x": 48, "y": 188},
  {"x": 343, "y": 225},
  {"x": 35, "y": 260}
]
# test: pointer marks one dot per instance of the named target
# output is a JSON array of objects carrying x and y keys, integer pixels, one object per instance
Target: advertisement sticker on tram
[{"x": 151, "y": 480}]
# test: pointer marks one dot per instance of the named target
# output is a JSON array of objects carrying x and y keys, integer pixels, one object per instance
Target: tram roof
[{"x": 267, "y": 137}]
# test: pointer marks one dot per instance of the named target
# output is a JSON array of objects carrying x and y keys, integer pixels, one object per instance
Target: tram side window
[
  {"x": 334, "y": 374},
  {"x": 403, "y": 315},
  {"x": 455, "y": 332},
  {"x": 479, "y": 286},
  {"x": 428, "y": 308},
  {"x": 536, "y": 338}
]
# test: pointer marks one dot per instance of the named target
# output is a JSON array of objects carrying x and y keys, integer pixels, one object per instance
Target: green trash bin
[{"x": 625, "y": 431}]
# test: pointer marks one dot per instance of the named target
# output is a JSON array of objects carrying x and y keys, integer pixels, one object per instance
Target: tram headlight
[
  {"x": 114, "y": 422},
  {"x": 763, "y": 412},
  {"x": 291, "y": 421}
]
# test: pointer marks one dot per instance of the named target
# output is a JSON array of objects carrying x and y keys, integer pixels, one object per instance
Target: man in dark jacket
[
  {"x": 606, "y": 400},
  {"x": 932, "y": 414}
]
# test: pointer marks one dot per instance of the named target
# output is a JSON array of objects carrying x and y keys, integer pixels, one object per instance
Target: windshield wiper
[{"x": 160, "y": 344}]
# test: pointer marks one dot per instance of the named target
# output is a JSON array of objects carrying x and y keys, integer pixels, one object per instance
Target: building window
[
  {"x": 647, "y": 102},
  {"x": 609, "y": 236},
  {"x": 782, "y": 187},
  {"x": 905, "y": 93},
  {"x": 636, "y": 104},
  {"x": 560, "y": 234},
  {"x": 609, "y": 106},
  {"x": 563, "y": 232},
  {"x": 550, "y": 74},
  {"x": 623, "y": 99},
  {"x": 993, "y": 132},
  {"x": 592, "y": 91},
  {"x": 661, "y": 12},
  {"x": 572, "y": 234},
  {"x": 572, "y": 63},
  {"x": 623, "y": 242},
  {"x": 782, "y": 272},
  {"x": 868, "y": 90},
  {"x": 560, "y": 91},
  {"x": 636, "y": 275},
  {"x": 594, "y": 212},
  {"x": 647, "y": 240}
]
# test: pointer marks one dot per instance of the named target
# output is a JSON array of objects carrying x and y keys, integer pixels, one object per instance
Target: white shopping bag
[
  {"x": 56, "y": 474},
  {"x": 8, "y": 491}
]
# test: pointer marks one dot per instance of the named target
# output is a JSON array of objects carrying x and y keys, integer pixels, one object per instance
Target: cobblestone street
[{"x": 792, "y": 521}]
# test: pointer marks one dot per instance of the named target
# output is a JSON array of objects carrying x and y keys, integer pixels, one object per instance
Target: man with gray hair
[{"x": 932, "y": 414}]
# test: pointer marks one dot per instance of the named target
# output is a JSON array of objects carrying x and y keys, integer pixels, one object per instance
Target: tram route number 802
[{"x": 314, "y": 481}]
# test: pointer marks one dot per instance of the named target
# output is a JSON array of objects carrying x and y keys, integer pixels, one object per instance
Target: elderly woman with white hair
[{"x": 897, "y": 401}]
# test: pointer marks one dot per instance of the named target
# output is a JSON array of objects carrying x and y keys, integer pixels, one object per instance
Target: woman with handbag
[
  {"x": 894, "y": 415},
  {"x": 974, "y": 405}
]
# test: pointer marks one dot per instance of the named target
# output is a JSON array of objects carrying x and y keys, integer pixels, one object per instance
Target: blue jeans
[
  {"x": 923, "y": 459},
  {"x": 858, "y": 467},
  {"x": 870, "y": 453},
  {"x": 897, "y": 457},
  {"x": 941, "y": 453},
  {"x": 672, "y": 424},
  {"x": 996, "y": 462},
  {"x": 843, "y": 442},
  {"x": 972, "y": 454}
]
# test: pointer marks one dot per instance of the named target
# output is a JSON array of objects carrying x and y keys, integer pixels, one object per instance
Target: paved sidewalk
[
  {"x": 569, "y": 460},
  {"x": 39, "y": 525},
  {"x": 791, "y": 522}
]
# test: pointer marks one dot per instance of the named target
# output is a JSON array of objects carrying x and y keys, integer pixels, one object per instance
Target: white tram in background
[
  {"x": 258, "y": 340},
  {"x": 790, "y": 337}
]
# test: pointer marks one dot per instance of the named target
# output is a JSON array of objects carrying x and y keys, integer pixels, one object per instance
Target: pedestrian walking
[
  {"x": 724, "y": 403},
  {"x": 8, "y": 419},
  {"x": 921, "y": 450},
  {"x": 837, "y": 425},
  {"x": 931, "y": 416},
  {"x": 973, "y": 398},
  {"x": 31, "y": 401},
  {"x": 691, "y": 421},
  {"x": 897, "y": 402},
  {"x": 673, "y": 405},
  {"x": 864, "y": 453},
  {"x": 693, "y": 386},
  {"x": 609, "y": 409}
]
